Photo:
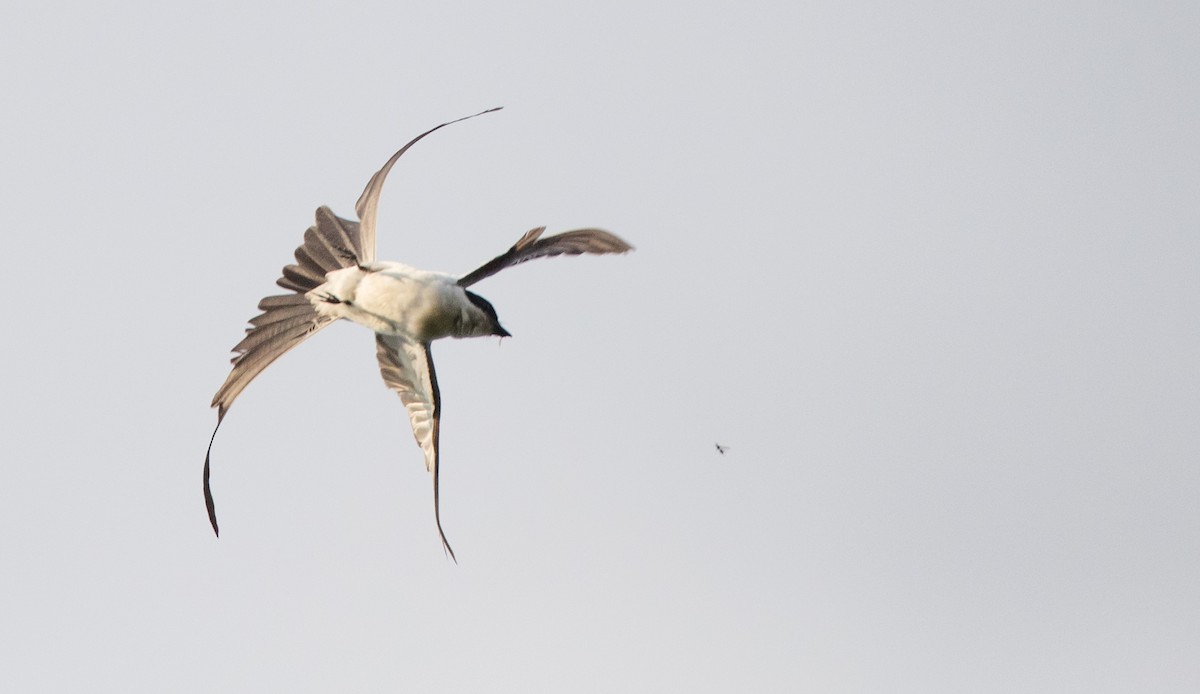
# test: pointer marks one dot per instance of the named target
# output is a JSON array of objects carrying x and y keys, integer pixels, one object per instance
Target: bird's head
[{"x": 490, "y": 324}]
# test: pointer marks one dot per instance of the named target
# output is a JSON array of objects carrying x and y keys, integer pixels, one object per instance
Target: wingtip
[
  {"x": 437, "y": 517},
  {"x": 442, "y": 534},
  {"x": 209, "y": 504},
  {"x": 208, "y": 501},
  {"x": 473, "y": 115}
]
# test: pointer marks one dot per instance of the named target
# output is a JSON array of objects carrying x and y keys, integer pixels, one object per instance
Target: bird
[
  {"x": 721, "y": 449},
  {"x": 336, "y": 276}
]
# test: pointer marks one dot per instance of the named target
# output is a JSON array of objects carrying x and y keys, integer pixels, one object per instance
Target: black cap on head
[{"x": 486, "y": 307}]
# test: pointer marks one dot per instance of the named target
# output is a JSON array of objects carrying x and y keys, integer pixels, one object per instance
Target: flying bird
[
  {"x": 336, "y": 276},
  {"x": 721, "y": 449}
]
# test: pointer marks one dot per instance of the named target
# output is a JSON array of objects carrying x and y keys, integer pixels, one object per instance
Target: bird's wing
[
  {"x": 407, "y": 368},
  {"x": 530, "y": 246},
  {"x": 287, "y": 319},
  {"x": 368, "y": 202}
]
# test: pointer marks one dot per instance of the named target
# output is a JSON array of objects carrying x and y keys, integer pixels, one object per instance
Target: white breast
[{"x": 394, "y": 299}]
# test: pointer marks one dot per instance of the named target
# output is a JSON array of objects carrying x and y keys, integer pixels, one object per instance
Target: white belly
[{"x": 394, "y": 299}]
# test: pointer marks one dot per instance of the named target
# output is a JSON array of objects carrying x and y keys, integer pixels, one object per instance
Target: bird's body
[
  {"x": 396, "y": 299},
  {"x": 337, "y": 277}
]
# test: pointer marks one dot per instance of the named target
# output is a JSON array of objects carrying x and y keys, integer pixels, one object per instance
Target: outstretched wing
[
  {"x": 368, "y": 202},
  {"x": 530, "y": 246},
  {"x": 288, "y": 319},
  {"x": 407, "y": 368}
]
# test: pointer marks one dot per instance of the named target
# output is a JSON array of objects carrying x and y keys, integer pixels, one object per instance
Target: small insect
[{"x": 721, "y": 449}]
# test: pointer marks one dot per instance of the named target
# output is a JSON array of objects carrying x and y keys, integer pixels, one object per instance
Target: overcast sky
[{"x": 930, "y": 270}]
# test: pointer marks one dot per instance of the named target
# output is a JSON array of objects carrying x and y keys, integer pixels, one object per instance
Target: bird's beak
[{"x": 501, "y": 332}]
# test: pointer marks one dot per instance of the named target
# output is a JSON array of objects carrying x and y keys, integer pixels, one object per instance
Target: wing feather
[
  {"x": 531, "y": 245},
  {"x": 407, "y": 368},
  {"x": 287, "y": 319},
  {"x": 368, "y": 203}
]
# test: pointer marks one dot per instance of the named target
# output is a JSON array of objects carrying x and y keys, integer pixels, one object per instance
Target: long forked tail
[{"x": 287, "y": 320}]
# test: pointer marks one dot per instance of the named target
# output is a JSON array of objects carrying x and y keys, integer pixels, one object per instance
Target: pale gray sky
[{"x": 929, "y": 269}]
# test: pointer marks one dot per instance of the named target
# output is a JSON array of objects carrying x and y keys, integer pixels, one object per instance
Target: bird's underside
[{"x": 346, "y": 248}]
